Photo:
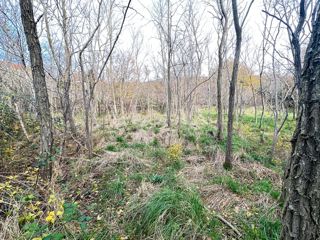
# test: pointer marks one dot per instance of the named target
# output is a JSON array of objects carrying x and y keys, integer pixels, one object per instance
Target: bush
[{"x": 169, "y": 214}]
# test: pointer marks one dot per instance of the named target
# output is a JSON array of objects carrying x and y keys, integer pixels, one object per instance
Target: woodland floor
[{"x": 146, "y": 182}]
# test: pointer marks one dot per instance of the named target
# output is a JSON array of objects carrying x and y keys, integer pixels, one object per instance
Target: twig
[{"x": 222, "y": 219}]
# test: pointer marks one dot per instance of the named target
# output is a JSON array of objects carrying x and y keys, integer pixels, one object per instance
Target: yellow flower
[
  {"x": 59, "y": 213},
  {"x": 52, "y": 198},
  {"x": 175, "y": 151},
  {"x": 37, "y": 238},
  {"x": 51, "y": 217}
]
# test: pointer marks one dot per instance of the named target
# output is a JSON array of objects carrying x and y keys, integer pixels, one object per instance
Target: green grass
[
  {"x": 262, "y": 228},
  {"x": 157, "y": 153},
  {"x": 169, "y": 214},
  {"x": 112, "y": 148},
  {"x": 113, "y": 191},
  {"x": 266, "y": 187},
  {"x": 232, "y": 184}
]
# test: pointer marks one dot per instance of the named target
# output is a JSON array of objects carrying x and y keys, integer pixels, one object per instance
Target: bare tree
[
  {"x": 39, "y": 83},
  {"x": 238, "y": 29},
  {"x": 222, "y": 15},
  {"x": 64, "y": 66}
]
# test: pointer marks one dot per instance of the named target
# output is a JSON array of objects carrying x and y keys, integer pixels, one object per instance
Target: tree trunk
[
  {"x": 232, "y": 87},
  {"x": 169, "y": 101},
  {"x": 20, "y": 118},
  {"x": 39, "y": 83},
  {"x": 301, "y": 215},
  {"x": 254, "y": 103},
  {"x": 221, "y": 53}
]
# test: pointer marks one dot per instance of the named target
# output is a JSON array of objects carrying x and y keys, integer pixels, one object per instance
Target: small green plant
[
  {"x": 155, "y": 142},
  {"x": 71, "y": 213},
  {"x": 155, "y": 178},
  {"x": 263, "y": 186},
  {"x": 232, "y": 184},
  {"x": 112, "y": 148},
  {"x": 120, "y": 139},
  {"x": 139, "y": 146},
  {"x": 156, "y": 130},
  {"x": 158, "y": 153},
  {"x": 275, "y": 194}
]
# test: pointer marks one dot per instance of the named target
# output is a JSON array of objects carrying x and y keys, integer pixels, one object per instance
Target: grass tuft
[{"x": 169, "y": 214}]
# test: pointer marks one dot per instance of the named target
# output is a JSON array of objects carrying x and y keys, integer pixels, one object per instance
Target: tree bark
[
  {"x": 301, "y": 191},
  {"x": 39, "y": 83}
]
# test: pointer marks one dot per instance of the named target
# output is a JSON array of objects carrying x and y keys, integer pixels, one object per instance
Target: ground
[{"x": 147, "y": 181}]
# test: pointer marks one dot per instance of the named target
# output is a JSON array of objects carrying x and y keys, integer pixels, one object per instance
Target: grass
[
  {"x": 265, "y": 186},
  {"x": 232, "y": 184},
  {"x": 113, "y": 191},
  {"x": 144, "y": 194},
  {"x": 263, "y": 227},
  {"x": 169, "y": 214}
]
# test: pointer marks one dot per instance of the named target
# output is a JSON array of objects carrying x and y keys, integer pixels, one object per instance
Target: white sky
[{"x": 142, "y": 21}]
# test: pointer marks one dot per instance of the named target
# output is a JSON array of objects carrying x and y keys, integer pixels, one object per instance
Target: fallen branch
[{"x": 222, "y": 219}]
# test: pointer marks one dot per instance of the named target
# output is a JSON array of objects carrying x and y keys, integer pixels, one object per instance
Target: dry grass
[{"x": 9, "y": 226}]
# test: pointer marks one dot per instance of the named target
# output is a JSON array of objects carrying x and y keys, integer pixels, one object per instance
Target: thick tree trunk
[
  {"x": 39, "y": 83},
  {"x": 301, "y": 192}
]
